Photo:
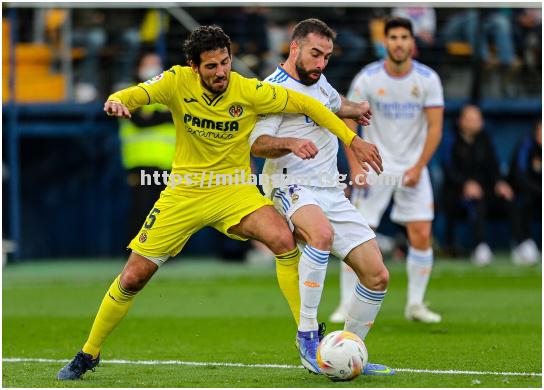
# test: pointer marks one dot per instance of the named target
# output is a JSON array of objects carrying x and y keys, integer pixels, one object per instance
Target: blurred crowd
[
  {"x": 505, "y": 41},
  {"x": 476, "y": 190}
]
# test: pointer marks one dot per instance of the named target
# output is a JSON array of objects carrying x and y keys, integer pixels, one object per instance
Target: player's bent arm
[
  {"x": 434, "y": 134},
  {"x": 300, "y": 103},
  {"x": 268, "y": 146}
]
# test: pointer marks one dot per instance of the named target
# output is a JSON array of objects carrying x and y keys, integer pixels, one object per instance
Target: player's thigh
[
  {"x": 244, "y": 213},
  {"x": 372, "y": 201},
  {"x": 306, "y": 216},
  {"x": 167, "y": 227},
  {"x": 414, "y": 203},
  {"x": 349, "y": 226},
  {"x": 313, "y": 227}
]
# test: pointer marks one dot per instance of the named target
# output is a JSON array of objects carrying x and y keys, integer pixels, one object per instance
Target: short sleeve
[
  {"x": 266, "y": 125},
  {"x": 358, "y": 90},
  {"x": 160, "y": 88},
  {"x": 268, "y": 98},
  {"x": 434, "y": 96},
  {"x": 334, "y": 100}
]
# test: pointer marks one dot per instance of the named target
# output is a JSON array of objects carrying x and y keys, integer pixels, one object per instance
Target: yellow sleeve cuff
[{"x": 132, "y": 98}]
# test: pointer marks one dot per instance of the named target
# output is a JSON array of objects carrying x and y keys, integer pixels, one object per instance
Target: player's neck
[
  {"x": 398, "y": 69},
  {"x": 290, "y": 68}
]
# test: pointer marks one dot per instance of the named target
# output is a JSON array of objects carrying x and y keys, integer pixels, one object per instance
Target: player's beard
[
  {"x": 304, "y": 74},
  {"x": 400, "y": 61},
  {"x": 216, "y": 90}
]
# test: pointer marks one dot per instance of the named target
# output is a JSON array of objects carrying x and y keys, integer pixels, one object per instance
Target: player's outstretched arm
[
  {"x": 299, "y": 103},
  {"x": 365, "y": 152},
  {"x": 121, "y": 103},
  {"x": 267, "y": 146}
]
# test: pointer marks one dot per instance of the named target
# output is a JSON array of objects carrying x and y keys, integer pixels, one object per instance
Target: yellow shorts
[{"x": 176, "y": 217}]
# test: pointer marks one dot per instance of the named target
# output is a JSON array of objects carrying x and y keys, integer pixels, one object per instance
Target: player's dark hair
[
  {"x": 316, "y": 26},
  {"x": 396, "y": 21},
  {"x": 204, "y": 38}
]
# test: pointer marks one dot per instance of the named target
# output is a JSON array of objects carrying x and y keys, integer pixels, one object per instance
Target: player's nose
[
  {"x": 321, "y": 64},
  {"x": 221, "y": 71}
]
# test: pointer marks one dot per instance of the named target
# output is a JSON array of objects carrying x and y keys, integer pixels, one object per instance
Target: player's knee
[
  {"x": 382, "y": 279},
  {"x": 281, "y": 240},
  {"x": 132, "y": 280},
  {"x": 322, "y": 237},
  {"x": 378, "y": 280},
  {"x": 421, "y": 238}
]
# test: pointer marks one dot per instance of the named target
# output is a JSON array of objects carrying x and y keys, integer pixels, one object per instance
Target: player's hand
[
  {"x": 364, "y": 115},
  {"x": 367, "y": 153},
  {"x": 411, "y": 176},
  {"x": 116, "y": 109},
  {"x": 503, "y": 190},
  {"x": 472, "y": 190},
  {"x": 304, "y": 148}
]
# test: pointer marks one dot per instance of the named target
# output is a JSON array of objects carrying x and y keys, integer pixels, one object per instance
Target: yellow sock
[
  {"x": 287, "y": 273},
  {"x": 115, "y": 305}
]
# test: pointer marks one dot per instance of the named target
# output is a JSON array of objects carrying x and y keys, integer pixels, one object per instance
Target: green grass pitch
[{"x": 205, "y": 311}]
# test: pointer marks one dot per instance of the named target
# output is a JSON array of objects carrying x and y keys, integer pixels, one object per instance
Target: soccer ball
[{"x": 342, "y": 355}]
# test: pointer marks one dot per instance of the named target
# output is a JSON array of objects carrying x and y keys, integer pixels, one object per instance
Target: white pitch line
[{"x": 223, "y": 364}]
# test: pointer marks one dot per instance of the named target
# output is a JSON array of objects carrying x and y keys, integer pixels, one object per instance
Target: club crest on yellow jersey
[
  {"x": 236, "y": 110},
  {"x": 143, "y": 237}
]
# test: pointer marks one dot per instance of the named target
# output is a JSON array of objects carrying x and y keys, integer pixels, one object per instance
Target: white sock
[
  {"x": 312, "y": 269},
  {"x": 419, "y": 264},
  {"x": 363, "y": 309},
  {"x": 348, "y": 280}
]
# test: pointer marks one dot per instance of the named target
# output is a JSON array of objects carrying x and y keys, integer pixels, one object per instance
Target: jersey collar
[
  {"x": 401, "y": 76},
  {"x": 283, "y": 71}
]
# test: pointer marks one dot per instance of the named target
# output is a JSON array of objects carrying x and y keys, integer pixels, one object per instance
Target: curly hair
[{"x": 204, "y": 38}]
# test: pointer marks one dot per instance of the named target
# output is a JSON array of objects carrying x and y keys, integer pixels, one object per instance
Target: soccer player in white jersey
[
  {"x": 322, "y": 217},
  {"x": 407, "y": 105}
]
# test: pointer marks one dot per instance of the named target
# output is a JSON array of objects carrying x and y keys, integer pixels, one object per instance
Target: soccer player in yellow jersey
[{"x": 214, "y": 111}]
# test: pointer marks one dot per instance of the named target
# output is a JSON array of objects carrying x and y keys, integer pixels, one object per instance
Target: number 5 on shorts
[{"x": 151, "y": 218}]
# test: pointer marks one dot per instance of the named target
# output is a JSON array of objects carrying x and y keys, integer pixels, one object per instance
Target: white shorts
[
  {"x": 410, "y": 203},
  {"x": 350, "y": 229}
]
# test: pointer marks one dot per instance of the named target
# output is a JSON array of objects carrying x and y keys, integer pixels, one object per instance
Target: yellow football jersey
[{"x": 212, "y": 132}]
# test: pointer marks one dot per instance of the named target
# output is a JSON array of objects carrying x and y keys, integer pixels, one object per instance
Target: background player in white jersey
[
  {"x": 322, "y": 217},
  {"x": 407, "y": 105}
]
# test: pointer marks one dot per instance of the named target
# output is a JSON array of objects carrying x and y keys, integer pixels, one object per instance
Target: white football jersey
[
  {"x": 320, "y": 171},
  {"x": 399, "y": 125}
]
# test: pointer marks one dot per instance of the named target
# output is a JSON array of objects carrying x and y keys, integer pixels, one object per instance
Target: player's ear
[
  {"x": 193, "y": 66},
  {"x": 293, "y": 47}
]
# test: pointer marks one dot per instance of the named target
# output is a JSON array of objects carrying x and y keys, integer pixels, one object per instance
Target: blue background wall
[{"x": 72, "y": 190}]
